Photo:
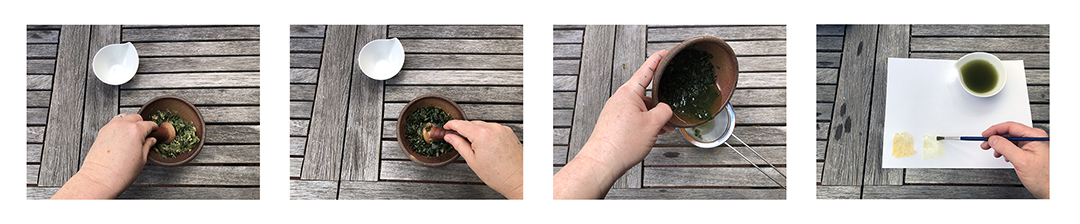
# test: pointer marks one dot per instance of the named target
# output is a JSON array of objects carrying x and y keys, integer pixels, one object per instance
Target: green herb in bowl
[
  {"x": 185, "y": 138},
  {"x": 689, "y": 84},
  {"x": 415, "y": 126}
]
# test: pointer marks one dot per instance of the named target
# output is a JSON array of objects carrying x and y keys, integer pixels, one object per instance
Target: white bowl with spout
[
  {"x": 116, "y": 64},
  {"x": 381, "y": 59}
]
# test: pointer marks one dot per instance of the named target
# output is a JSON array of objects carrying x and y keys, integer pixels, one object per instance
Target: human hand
[
  {"x": 114, "y": 161},
  {"x": 1030, "y": 159},
  {"x": 495, "y": 154},
  {"x": 624, "y": 133}
]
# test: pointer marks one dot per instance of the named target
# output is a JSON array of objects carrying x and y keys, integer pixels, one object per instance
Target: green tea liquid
[{"x": 979, "y": 76}]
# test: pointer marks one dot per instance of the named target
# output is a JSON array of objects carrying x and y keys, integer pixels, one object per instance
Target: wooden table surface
[
  {"x": 851, "y": 81},
  {"x": 343, "y": 143},
  {"x": 591, "y": 62},
  {"x": 214, "y": 67}
]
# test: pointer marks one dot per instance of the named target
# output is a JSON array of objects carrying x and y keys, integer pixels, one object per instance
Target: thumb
[
  {"x": 659, "y": 115},
  {"x": 147, "y": 143},
  {"x": 461, "y": 145},
  {"x": 1004, "y": 146}
]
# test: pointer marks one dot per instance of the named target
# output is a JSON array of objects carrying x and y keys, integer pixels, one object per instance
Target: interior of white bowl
[
  {"x": 381, "y": 59},
  {"x": 116, "y": 64}
]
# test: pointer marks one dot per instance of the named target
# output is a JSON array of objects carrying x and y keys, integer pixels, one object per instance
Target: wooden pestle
[
  {"x": 165, "y": 133},
  {"x": 435, "y": 132}
]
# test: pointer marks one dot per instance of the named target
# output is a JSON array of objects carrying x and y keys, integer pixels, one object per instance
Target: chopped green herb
[
  {"x": 185, "y": 138},
  {"x": 415, "y": 126},
  {"x": 689, "y": 84}
]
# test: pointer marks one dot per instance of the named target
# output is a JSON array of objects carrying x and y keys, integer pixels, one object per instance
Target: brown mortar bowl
[
  {"x": 440, "y": 102},
  {"x": 726, "y": 78},
  {"x": 186, "y": 111}
]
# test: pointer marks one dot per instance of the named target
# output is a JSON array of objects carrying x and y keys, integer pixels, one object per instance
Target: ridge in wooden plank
[
  {"x": 724, "y": 32},
  {"x": 313, "y": 190},
  {"x": 409, "y": 190},
  {"x": 629, "y": 42},
  {"x": 716, "y": 156},
  {"x": 594, "y": 83},
  {"x": 102, "y": 100},
  {"x": 199, "y": 64},
  {"x": 215, "y": 48},
  {"x": 307, "y": 31},
  {"x": 190, "y": 193},
  {"x": 892, "y": 43},
  {"x": 695, "y": 193},
  {"x": 463, "y": 61},
  {"x": 60, "y": 157},
  {"x": 847, "y": 141},
  {"x": 980, "y": 30},
  {"x": 945, "y": 192},
  {"x": 216, "y": 96},
  {"x": 460, "y": 94},
  {"x": 193, "y": 80},
  {"x": 458, "y": 77},
  {"x": 360, "y": 159},
  {"x": 199, "y": 175},
  {"x": 322, "y": 159},
  {"x": 463, "y": 46},
  {"x": 407, "y": 170},
  {"x": 467, "y": 31},
  {"x": 190, "y": 33}
]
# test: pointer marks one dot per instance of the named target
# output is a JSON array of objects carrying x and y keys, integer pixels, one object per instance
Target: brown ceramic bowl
[
  {"x": 428, "y": 101},
  {"x": 188, "y": 112},
  {"x": 726, "y": 78}
]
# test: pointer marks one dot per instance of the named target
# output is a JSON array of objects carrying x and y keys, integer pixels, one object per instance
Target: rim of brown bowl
[
  {"x": 726, "y": 79},
  {"x": 186, "y": 111},
  {"x": 441, "y": 102}
]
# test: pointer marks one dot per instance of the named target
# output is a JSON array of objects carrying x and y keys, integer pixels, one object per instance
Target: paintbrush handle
[{"x": 1007, "y": 138}]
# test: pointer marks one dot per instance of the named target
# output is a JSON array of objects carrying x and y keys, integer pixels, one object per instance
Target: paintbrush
[{"x": 972, "y": 138}]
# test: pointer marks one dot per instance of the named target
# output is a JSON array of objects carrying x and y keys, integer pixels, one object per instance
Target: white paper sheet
[{"x": 925, "y": 97}]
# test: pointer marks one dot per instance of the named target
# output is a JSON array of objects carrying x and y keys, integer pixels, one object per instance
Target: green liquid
[
  {"x": 689, "y": 84},
  {"x": 979, "y": 76}
]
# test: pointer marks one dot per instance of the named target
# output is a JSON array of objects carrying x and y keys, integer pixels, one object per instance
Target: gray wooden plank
[
  {"x": 828, "y": 60},
  {"x": 1039, "y": 94},
  {"x": 1040, "y": 112},
  {"x": 561, "y": 136},
  {"x": 307, "y": 30},
  {"x": 827, "y": 75},
  {"x": 469, "y": 31},
  {"x": 630, "y": 53},
  {"x": 190, "y": 193},
  {"x": 37, "y": 116},
  {"x": 839, "y": 192},
  {"x": 101, "y": 100},
  {"x": 594, "y": 83},
  {"x": 695, "y": 193},
  {"x": 42, "y": 27},
  {"x": 566, "y": 51},
  {"x": 218, "y": 114},
  {"x": 407, "y": 170},
  {"x": 559, "y": 155},
  {"x": 360, "y": 160},
  {"x": 32, "y": 172},
  {"x": 1031, "y": 60},
  {"x": 303, "y": 75},
  {"x": 302, "y": 92},
  {"x": 1037, "y": 76},
  {"x": 562, "y": 117},
  {"x": 762, "y": 63},
  {"x": 391, "y": 150},
  {"x": 42, "y": 36},
  {"x": 821, "y": 146},
  {"x": 564, "y": 83},
  {"x": 846, "y": 154},
  {"x": 40, "y": 193},
  {"x": 567, "y": 36},
  {"x": 741, "y": 48},
  {"x": 199, "y": 64},
  {"x": 35, "y": 134},
  {"x": 979, "y": 30},
  {"x": 470, "y": 46},
  {"x": 38, "y": 98},
  {"x": 294, "y": 167},
  {"x": 460, "y": 94},
  {"x": 309, "y": 45},
  {"x": 300, "y": 109},
  {"x": 299, "y": 127},
  {"x": 567, "y": 27},
  {"x": 824, "y": 111},
  {"x": 304, "y": 60},
  {"x": 826, "y": 93},
  {"x": 820, "y": 167},
  {"x": 752, "y": 135},
  {"x": 561, "y": 99},
  {"x": 463, "y": 61},
  {"x": 823, "y": 130},
  {"x": 41, "y": 50},
  {"x": 830, "y": 43},
  {"x": 211, "y": 48},
  {"x": 559, "y": 67},
  {"x": 296, "y": 146},
  {"x": 945, "y": 192},
  {"x": 407, "y": 190},
  {"x": 723, "y": 32},
  {"x": 249, "y": 96},
  {"x": 40, "y": 66},
  {"x": 218, "y": 154},
  {"x": 313, "y": 190},
  {"x": 759, "y": 97},
  {"x": 457, "y": 77},
  {"x": 830, "y": 30},
  {"x": 961, "y": 176},
  {"x": 760, "y": 115},
  {"x": 33, "y": 154},
  {"x": 892, "y": 43},
  {"x": 199, "y": 175},
  {"x": 322, "y": 159},
  {"x": 710, "y": 176},
  {"x": 190, "y": 33},
  {"x": 487, "y": 112},
  {"x": 676, "y": 156},
  {"x": 193, "y": 80},
  {"x": 60, "y": 157},
  {"x": 39, "y": 82},
  {"x": 762, "y": 80},
  {"x": 232, "y": 134},
  {"x": 987, "y": 44}
]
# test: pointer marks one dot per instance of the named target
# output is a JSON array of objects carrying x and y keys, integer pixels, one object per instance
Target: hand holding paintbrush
[{"x": 1030, "y": 159}]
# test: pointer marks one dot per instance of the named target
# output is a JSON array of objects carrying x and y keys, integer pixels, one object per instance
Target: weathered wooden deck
[
  {"x": 214, "y": 67},
  {"x": 591, "y": 62},
  {"x": 851, "y": 80},
  {"x": 343, "y": 143}
]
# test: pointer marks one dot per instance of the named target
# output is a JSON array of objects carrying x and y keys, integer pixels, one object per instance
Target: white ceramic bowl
[
  {"x": 381, "y": 59},
  {"x": 116, "y": 64},
  {"x": 1000, "y": 67},
  {"x": 714, "y": 132}
]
